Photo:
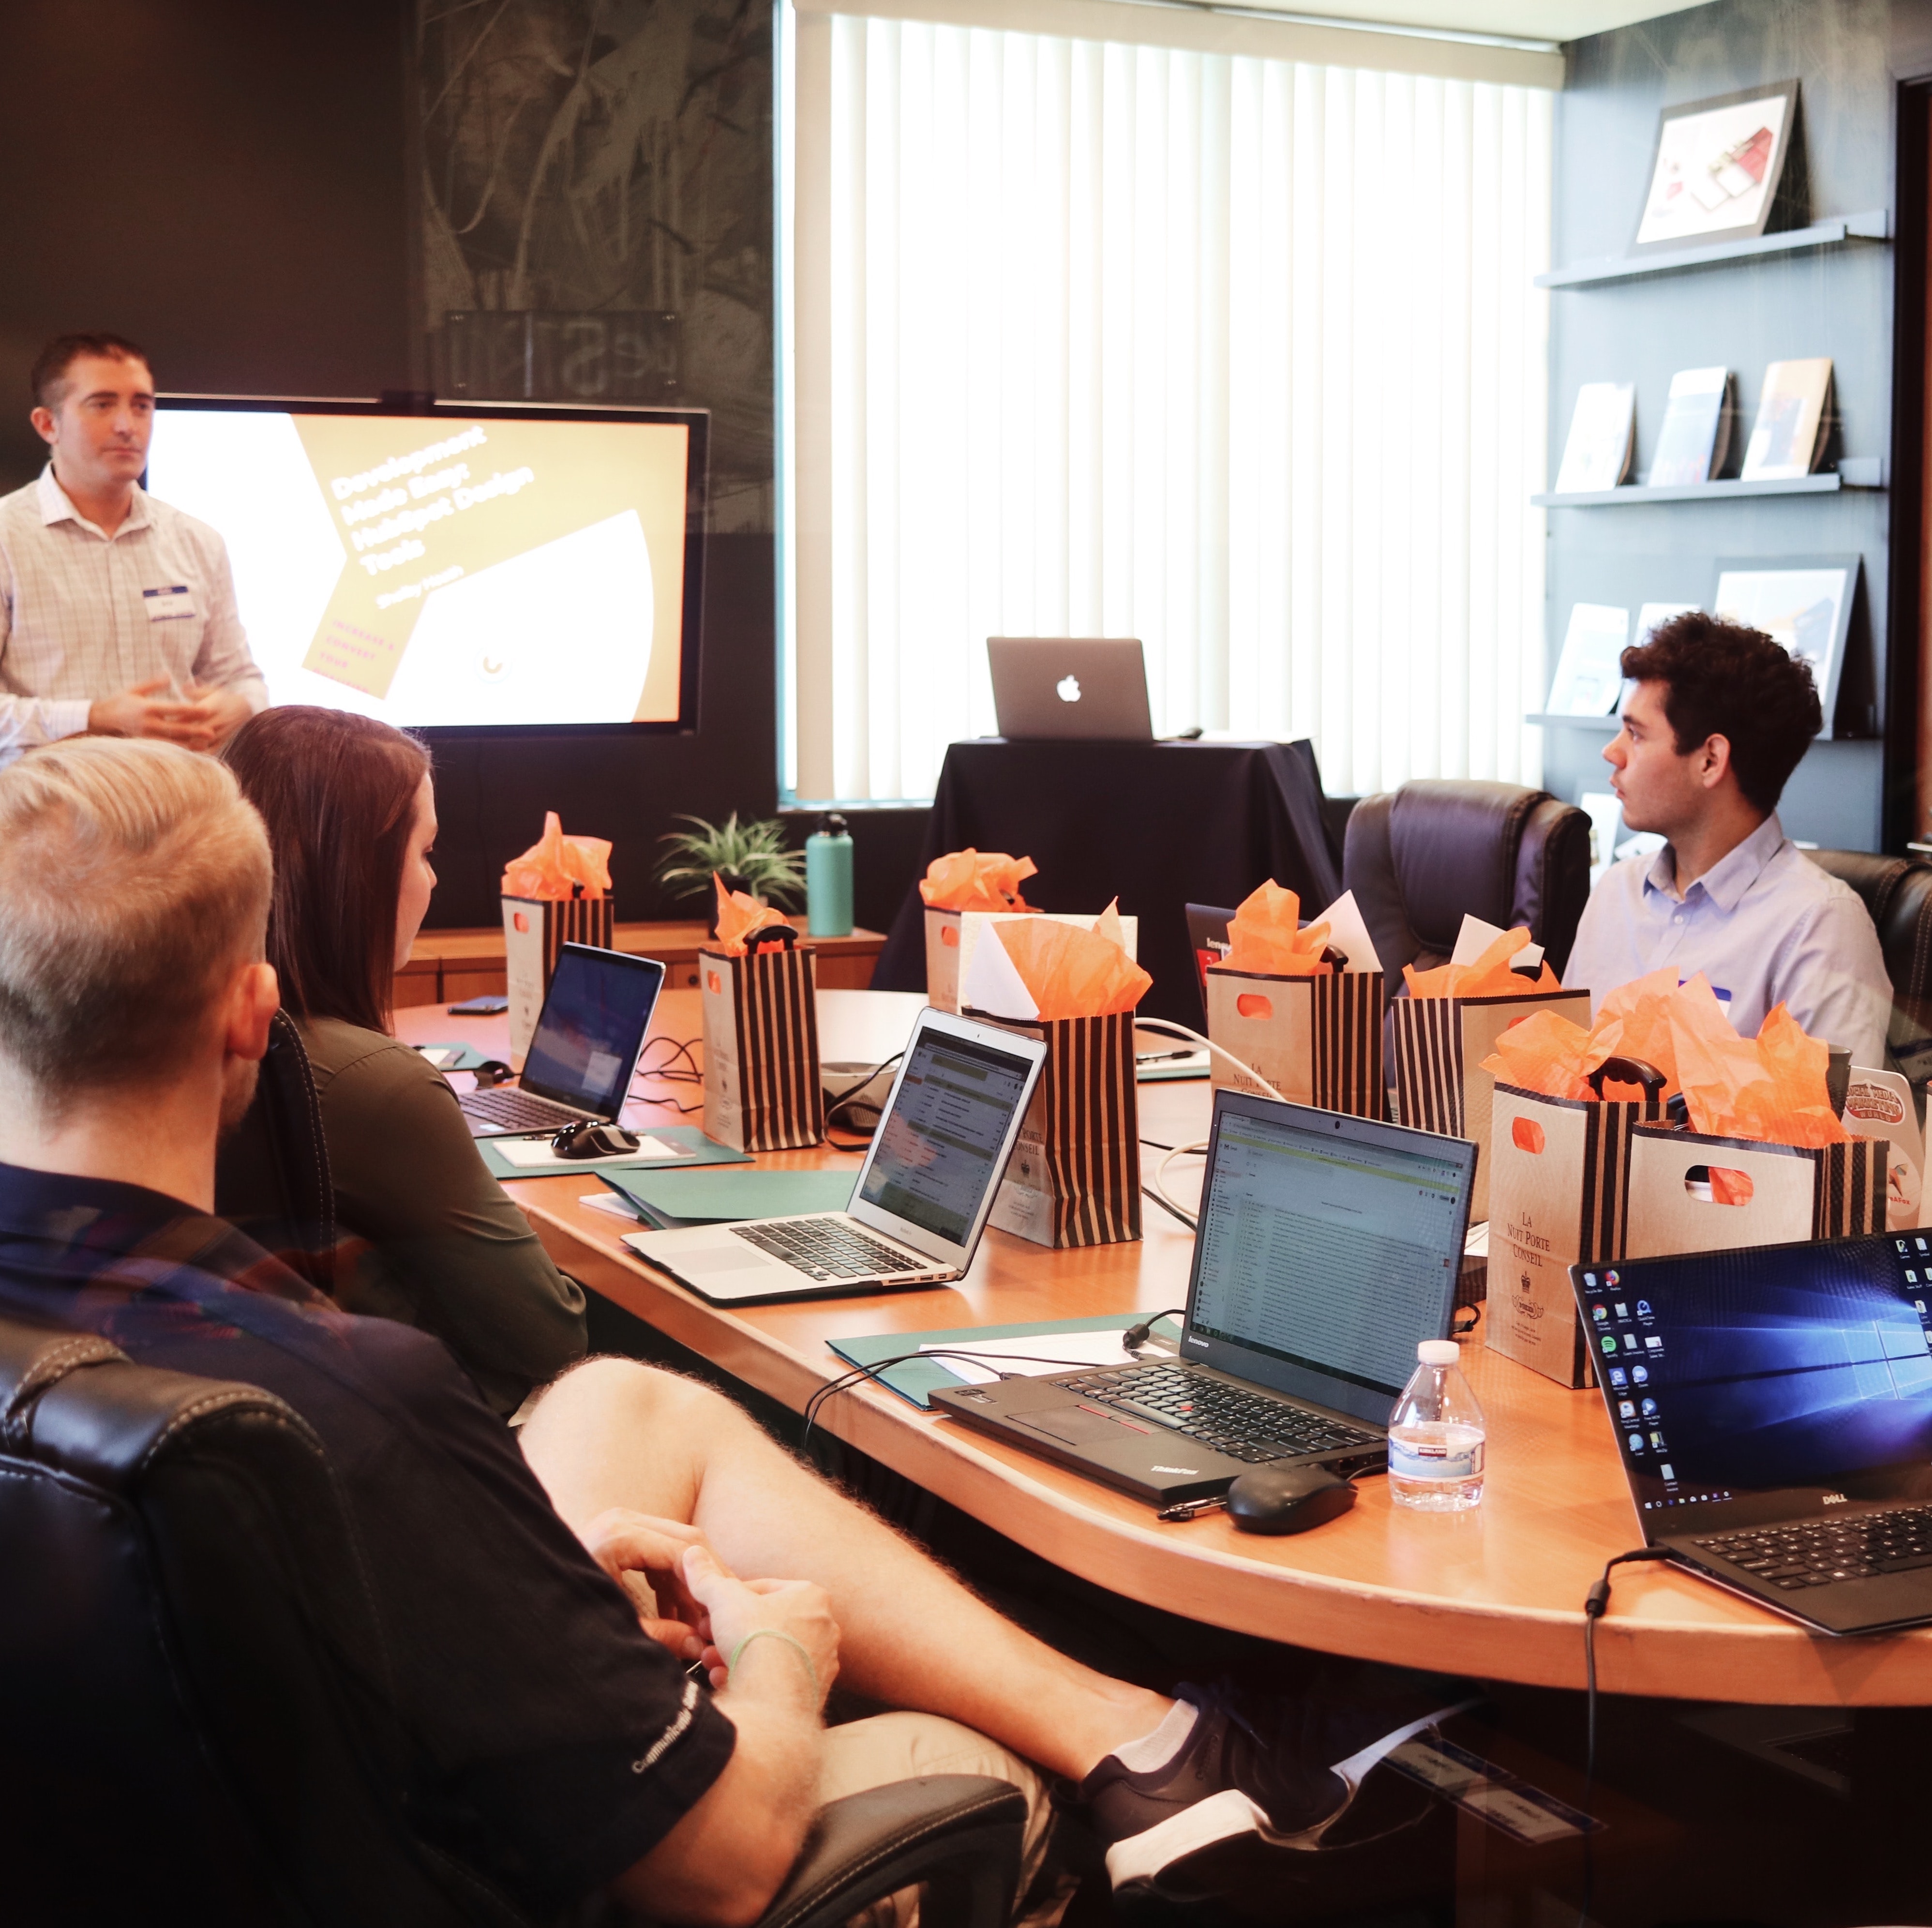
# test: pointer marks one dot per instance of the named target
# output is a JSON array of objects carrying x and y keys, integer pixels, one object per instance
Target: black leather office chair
[
  {"x": 1897, "y": 891},
  {"x": 271, "y": 1174},
  {"x": 194, "y": 1711},
  {"x": 1418, "y": 857}
]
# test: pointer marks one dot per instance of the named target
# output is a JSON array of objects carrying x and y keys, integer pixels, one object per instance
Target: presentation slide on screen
[{"x": 446, "y": 571}]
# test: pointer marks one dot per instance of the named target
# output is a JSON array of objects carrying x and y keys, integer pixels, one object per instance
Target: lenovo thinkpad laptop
[
  {"x": 1077, "y": 686},
  {"x": 583, "y": 1051},
  {"x": 921, "y": 1199},
  {"x": 1328, "y": 1248},
  {"x": 1773, "y": 1409}
]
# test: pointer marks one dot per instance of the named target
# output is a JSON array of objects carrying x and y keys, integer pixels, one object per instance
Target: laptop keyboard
[
  {"x": 518, "y": 1111},
  {"x": 1246, "y": 1426},
  {"x": 1819, "y": 1551},
  {"x": 827, "y": 1249}
]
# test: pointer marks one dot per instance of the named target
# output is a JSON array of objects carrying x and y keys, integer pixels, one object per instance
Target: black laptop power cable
[{"x": 1596, "y": 1604}]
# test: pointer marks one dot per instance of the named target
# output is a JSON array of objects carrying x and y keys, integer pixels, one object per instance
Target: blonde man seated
[{"x": 559, "y": 1747}]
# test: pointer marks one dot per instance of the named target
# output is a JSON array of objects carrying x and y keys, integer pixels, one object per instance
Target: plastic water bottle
[
  {"x": 1435, "y": 1435},
  {"x": 828, "y": 878}
]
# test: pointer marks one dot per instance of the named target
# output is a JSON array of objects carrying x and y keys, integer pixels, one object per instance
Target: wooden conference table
[{"x": 1497, "y": 1593}]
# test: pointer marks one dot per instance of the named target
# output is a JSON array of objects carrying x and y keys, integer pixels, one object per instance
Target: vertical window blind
[{"x": 1239, "y": 356}]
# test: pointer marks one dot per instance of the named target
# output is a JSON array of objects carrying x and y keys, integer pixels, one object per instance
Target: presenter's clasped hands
[{"x": 203, "y": 718}]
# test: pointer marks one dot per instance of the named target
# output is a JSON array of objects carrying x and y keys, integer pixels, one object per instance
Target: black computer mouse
[
  {"x": 593, "y": 1141},
  {"x": 1287, "y": 1499}
]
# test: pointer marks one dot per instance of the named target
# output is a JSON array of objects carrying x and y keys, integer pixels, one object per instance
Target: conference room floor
[{"x": 1497, "y": 1592}]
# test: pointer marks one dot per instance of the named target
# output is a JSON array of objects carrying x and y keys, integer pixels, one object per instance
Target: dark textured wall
[{"x": 1849, "y": 56}]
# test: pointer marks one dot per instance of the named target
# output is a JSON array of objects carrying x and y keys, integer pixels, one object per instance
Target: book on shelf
[
  {"x": 1602, "y": 438},
  {"x": 1653, "y": 615},
  {"x": 1589, "y": 675},
  {"x": 1695, "y": 441},
  {"x": 1795, "y": 415}
]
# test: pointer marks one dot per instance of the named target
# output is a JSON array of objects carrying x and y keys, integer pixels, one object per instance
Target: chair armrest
[{"x": 961, "y": 1832}]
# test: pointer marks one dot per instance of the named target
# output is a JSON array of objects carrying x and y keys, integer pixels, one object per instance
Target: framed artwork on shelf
[
  {"x": 1721, "y": 166},
  {"x": 1804, "y": 603}
]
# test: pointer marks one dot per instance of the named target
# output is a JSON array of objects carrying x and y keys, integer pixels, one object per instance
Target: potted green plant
[{"x": 749, "y": 857}]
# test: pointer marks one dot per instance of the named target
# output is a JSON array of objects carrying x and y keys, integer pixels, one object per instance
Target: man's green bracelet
[{"x": 790, "y": 1640}]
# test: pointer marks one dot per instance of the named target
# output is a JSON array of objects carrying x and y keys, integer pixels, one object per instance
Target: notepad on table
[
  {"x": 681, "y": 1146},
  {"x": 925, "y": 1371},
  {"x": 670, "y": 1200}
]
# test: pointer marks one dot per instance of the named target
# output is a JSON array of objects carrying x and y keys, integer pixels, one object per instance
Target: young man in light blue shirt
[{"x": 1719, "y": 719}]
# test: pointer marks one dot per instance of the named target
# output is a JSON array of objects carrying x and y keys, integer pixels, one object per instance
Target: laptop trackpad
[
  {"x": 737, "y": 1257},
  {"x": 1078, "y": 1427}
]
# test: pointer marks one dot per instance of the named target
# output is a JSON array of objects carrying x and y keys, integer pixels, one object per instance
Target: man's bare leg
[{"x": 616, "y": 1434}]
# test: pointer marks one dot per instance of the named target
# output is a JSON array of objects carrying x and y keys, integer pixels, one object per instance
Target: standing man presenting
[{"x": 117, "y": 613}]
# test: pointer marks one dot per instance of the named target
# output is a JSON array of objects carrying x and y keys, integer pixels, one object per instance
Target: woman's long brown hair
[{"x": 337, "y": 792}]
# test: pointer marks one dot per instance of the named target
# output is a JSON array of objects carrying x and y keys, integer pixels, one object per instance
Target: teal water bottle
[{"x": 828, "y": 878}]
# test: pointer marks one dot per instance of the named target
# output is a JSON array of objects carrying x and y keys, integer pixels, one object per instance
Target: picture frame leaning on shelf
[
  {"x": 1803, "y": 602},
  {"x": 1726, "y": 168}
]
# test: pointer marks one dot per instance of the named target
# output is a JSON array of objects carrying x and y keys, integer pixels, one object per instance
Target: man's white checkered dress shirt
[{"x": 83, "y": 614}]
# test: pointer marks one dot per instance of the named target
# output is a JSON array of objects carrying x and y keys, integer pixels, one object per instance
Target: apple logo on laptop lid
[{"x": 1068, "y": 689}]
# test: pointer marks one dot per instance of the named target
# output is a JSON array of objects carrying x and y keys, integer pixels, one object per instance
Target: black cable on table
[{"x": 846, "y": 1380}]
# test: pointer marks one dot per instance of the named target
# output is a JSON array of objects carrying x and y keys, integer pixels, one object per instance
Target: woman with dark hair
[{"x": 434, "y": 1240}]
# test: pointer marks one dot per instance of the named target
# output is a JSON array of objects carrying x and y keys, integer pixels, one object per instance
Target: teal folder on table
[
  {"x": 670, "y": 1198},
  {"x": 914, "y": 1378},
  {"x": 692, "y": 1148}
]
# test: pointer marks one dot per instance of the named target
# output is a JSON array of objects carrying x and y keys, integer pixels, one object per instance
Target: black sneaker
[{"x": 1274, "y": 1769}]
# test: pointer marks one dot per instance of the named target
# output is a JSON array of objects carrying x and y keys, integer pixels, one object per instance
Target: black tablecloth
[{"x": 1160, "y": 826}]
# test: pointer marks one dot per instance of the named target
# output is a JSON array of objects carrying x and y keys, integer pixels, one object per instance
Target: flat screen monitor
[{"x": 484, "y": 568}]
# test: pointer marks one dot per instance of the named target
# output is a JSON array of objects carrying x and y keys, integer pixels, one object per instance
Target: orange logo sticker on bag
[
  {"x": 1526, "y": 1135},
  {"x": 713, "y": 982},
  {"x": 949, "y": 935},
  {"x": 521, "y": 922},
  {"x": 1251, "y": 1004}
]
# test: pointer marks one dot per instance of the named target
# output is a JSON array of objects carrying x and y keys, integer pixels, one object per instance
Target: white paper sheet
[
  {"x": 1349, "y": 935},
  {"x": 990, "y": 982},
  {"x": 534, "y": 1155},
  {"x": 1475, "y": 937},
  {"x": 1063, "y": 1349}
]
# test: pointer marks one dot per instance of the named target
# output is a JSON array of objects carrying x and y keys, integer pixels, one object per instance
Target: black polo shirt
[{"x": 552, "y": 1744}]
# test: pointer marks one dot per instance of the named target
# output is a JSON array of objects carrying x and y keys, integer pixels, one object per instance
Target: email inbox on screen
[
  {"x": 1331, "y": 1258},
  {"x": 935, "y": 1157}
]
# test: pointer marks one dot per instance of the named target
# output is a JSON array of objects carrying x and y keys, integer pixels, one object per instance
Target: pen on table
[
  {"x": 1191, "y": 1509},
  {"x": 1161, "y": 1057}
]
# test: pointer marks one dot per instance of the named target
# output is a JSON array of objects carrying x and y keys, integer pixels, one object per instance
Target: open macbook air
[
  {"x": 583, "y": 1051},
  {"x": 1328, "y": 1247},
  {"x": 921, "y": 1199},
  {"x": 1078, "y": 686},
  {"x": 1773, "y": 1409}
]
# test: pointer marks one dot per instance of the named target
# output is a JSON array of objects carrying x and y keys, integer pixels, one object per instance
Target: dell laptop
[
  {"x": 1094, "y": 687},
  {"x": 583, "y": 1052},
  {"x": 1328, "y": 1248},
  {"x": 1773, "y": 1409},
  {"x": 921, "y": 1199}
]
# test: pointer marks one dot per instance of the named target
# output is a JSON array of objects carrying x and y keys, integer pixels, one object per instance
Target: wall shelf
[
  {"x": 1610, "y": 725},
  {"x": 1869, "y": 474},
  {"x": 1837, "y": 233}
]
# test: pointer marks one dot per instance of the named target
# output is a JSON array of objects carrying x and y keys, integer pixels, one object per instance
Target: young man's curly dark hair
[{"x": 1722, "y": 680}]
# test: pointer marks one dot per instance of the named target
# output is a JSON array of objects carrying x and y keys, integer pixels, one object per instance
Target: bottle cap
[
  {"x": 1439, "y": 1352},
  {"x": 833, "y": 825}
]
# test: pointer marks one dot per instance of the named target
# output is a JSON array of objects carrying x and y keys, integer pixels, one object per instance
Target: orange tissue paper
[
  {"x": 1546, "y": 1053},
  {"x": 1633, "y": 1021},
  {"x": 976, "y": 880},
  {"x": 739, "y": 914},
  {"x": 1263, "y": 937},
  {"x": 1069, "y": 972},
  {"x": 1770, "y": 1088},
  {"x": 1489, "y": 977},
  {"x": 556, "y": 866}
]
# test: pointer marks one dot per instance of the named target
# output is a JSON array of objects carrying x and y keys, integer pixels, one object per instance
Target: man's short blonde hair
[{"x": 134, "y": 878}]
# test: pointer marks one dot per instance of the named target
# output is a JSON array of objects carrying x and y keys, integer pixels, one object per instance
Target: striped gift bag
[
  {"x": 535, "y": 929},
  {"x": 1318, "y": 1040},
  {"x": 1440, "y": 1044},
  {"x": 762, "y": 1091},
  {"x": 1559, "y": 1195},
  {"x": 1689, "y": 1193},
  {"x": 1074, "y": 1177}
]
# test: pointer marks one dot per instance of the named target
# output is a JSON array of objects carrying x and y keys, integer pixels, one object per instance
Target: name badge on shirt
[{"x": 173, "y": 605}]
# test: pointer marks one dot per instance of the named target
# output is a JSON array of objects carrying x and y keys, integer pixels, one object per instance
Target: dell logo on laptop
[
  {"x": 1068, "y": 689},
  {"x": 1177, "y": 1468},
  {"x": 1836, "y": 1500}
]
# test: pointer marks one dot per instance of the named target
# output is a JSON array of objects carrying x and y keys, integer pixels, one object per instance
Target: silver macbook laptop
[
  {"x": 1094, "y": 687},
  {"x": 921, "y": 1196},
  {"x": 583, "y": 1051}
]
